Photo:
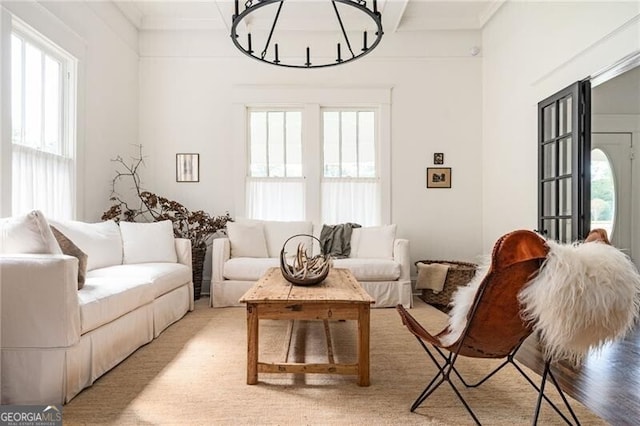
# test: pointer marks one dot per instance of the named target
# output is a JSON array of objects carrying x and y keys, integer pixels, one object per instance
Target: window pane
[
  {"x": 349, "y": 144},
  {"x": 33, "y": 96},
  {"x": 294, "y": 144},
  {"x": 367, "y": 146},
  {"x": 16, "y": 89},
  {"x": 275, "y": 147},
  {"x": 550, "y": 228},
  {"x": 331, "y": 126},
  {"x": 52, "y": 103},
  {"x": 258, "y": 144}
]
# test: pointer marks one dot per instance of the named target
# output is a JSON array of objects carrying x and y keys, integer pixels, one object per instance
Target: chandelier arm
[
  {"x": 273, "y": 27},
  {"x": 344, "y": 33}
]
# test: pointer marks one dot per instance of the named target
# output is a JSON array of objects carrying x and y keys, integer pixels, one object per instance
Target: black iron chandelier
[{"x": 272, "y": 54}]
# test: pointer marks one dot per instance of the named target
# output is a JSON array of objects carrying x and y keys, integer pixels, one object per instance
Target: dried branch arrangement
[{"x": 198, "y": 226}]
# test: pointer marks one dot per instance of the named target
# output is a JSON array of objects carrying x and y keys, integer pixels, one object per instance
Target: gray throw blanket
[{"x": 336, "y": 239}]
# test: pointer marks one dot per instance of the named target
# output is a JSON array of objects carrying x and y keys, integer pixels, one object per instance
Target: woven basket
[{"x": 459, "y": 273}]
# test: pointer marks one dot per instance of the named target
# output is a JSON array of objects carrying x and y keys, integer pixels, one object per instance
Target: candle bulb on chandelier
[
  {"x": 375, "y": 6},
  {"x": 339, "y": 54},
  {"x": 308, "y": 57},
  {"x": 365, "y": 42},
  {"x": 249, "y": 42},
  {"x": 237, "y": 8},
  {"x": 277, "y": 60}
]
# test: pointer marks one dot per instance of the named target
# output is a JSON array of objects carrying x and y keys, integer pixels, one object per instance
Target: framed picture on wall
[
  {"x": 438, "y": 158},
  {"x": 438, "y": 177},
  {"x": 187, "y": 167}
]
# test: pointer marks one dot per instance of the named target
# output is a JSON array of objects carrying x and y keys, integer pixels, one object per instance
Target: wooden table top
[{"x": 340, "y": 286}]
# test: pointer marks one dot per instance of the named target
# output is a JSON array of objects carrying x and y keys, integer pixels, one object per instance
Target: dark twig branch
[{"x": 198, "y": 226}]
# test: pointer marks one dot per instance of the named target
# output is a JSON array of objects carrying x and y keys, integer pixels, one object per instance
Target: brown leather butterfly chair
[{"x": 494, "y": 328}]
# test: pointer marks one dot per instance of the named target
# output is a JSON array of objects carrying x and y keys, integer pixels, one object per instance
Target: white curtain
[
  {"x": 351, "y": 200},
  {"x": 275, "y": 199},
  {"x": 42, "y": 181}
]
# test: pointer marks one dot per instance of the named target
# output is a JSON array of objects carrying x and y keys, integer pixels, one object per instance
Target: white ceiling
[
  {"x": 398, "y": 15},
  {"x": 620, "y": 95}
]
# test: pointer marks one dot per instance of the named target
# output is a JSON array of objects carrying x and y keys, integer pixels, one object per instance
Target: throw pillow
[
  {"x": 68, "y": 248},
  {"x": 374, "y": 242},
  {"x": 28, "y": 233},
  {"x": 101, "y": 241},
  {"x": 277, "y": 232},
  {"x": 148, "y": 242},
  {"x": 247, "y": 239}
]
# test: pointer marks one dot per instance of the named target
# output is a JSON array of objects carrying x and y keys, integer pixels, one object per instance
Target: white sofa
[
  {"x": 378, "y": 260},
  {"x": 56, "y": 339}
]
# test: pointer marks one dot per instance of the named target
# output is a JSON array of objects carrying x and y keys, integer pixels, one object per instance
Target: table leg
[
  {"x": 363, "y": 345},
  {"x": 252, "y": 344}
]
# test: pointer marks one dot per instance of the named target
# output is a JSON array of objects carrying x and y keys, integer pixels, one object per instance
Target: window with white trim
[
  {"x": 42, "y": 118},
  {"x": 335, "y": 171},
  {"x": 275, "y": 183},
  {"x": 350, "y": 180}
]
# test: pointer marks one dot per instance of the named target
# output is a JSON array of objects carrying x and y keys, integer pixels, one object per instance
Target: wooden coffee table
[{"x": 338, "y": 297}]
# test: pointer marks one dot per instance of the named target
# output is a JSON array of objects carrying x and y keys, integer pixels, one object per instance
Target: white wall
[
  {"x": 531, "y": 50},
  {"x": 186, "y": 88},
  {"x": 106, "y": 45}
]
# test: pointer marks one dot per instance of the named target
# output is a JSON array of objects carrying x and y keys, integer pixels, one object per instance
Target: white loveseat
[
  {"x": 58, "y": 339},
  {"x": 378, "y": 260}
]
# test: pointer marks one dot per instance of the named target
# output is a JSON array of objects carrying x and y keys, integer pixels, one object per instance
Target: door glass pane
[
  {"x": 564, "y": 196},
  {"x": 565, "y": 115},
  {"x": 564, "y": 155},
  {"x": 549, "y": 229},
  {"x": 549, "y": 198},
  {"x": 549, "y": 154},
  {"x": 603, "y": 192},
  {"x": 565, "y": 231},
  {"x": 549, "y": 122}
]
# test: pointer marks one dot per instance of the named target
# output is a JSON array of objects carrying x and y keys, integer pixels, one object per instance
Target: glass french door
[{"x": 564, "y": 157}]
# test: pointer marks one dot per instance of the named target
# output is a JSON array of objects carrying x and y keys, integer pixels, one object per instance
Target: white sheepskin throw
[
  {"x": 461, "y": 303},
  {"x": 585, "y": 295}
]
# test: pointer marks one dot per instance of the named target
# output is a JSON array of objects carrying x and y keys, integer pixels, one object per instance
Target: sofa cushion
[
  {"x": 162, "y": 277},
  {"x": 104, "y": 299},
  {"x": 370, "y": 269},
  {"x": 247, "y": 239},
  {"x": 277, "y": 233},
  {"x": 148, "y": 242},
  {"x": 100, "y": 241},
  {"x": 27, "y": 234},
  {"x": 69, "y": 248},
  {"x": 248, "y": 269},
  {"x": 374, "y": 242}
]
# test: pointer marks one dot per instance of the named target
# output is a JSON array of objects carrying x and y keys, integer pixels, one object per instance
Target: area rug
[{"x": 195, "y": 373}]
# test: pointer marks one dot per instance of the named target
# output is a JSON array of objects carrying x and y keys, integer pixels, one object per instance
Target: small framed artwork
[
  {"x": 187, "y": 167},
  {"x": 438, "y": 177},
  {"x": 438, "y": 158}
]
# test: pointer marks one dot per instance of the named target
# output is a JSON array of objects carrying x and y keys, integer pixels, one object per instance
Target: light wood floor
[{"x": 608, "y": 383}]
